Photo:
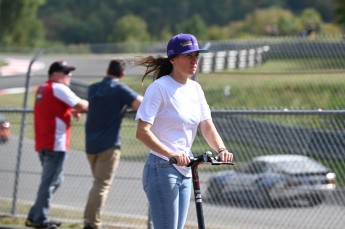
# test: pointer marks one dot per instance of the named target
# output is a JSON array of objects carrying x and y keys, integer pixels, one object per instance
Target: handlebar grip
[{"x": 172, "y": 160}]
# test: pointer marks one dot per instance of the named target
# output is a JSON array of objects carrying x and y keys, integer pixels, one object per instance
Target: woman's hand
[
  {"x": 225, "y": 156},
  {"x": 181, "y": 158}
]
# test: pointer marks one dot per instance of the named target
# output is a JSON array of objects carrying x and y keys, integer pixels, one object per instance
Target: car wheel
[
  {"x": 307, "y": 200},
  {"x": 315, "y": 200}
]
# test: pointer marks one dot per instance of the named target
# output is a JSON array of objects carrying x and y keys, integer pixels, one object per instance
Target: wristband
[{"x": 221, "y": 150}]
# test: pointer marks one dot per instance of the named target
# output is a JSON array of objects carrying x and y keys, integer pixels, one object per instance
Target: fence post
[{"x": 21, "y": 134}]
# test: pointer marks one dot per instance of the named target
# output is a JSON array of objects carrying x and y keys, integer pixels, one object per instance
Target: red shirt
[{"x": 52, "y": 116}]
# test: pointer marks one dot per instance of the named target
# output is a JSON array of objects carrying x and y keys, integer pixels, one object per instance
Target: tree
[
  {"x": 266, "y": 22},
  {"x": 19, "y": 23},
  {"x": 340, "y": 11},
  {"x": 195, "y": 26},
  {"x": 311, "y": 21},
  {"x": 217, "y": 33},
  {"x": 129, "y": 28},
  {"x": 93, "y": 21},
  {"x": 78, "y": 21}
]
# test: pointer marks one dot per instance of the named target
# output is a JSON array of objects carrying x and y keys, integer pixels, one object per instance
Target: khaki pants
[{"x": 103, "y": 167}]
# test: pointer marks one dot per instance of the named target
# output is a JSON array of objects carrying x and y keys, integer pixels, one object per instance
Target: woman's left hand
[{"x": 225, "y": 156}]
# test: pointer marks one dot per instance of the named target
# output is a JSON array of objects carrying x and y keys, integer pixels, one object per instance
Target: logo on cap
[{"x": 183, "y": 44}]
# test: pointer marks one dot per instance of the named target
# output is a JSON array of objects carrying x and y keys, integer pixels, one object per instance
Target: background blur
[
  {"x": 47, "y": 23},
  {"x": 274, "y": 80}
]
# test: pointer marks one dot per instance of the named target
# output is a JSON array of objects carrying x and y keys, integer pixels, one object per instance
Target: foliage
[
  {"x": 217, "y": 33},
  {"x": 20, "y": 26},
  {"x": 194, "y": 26},
  {"x": 29, "y": 23},
  {"x": 281, "y": 22},
  {"x": 329, "y": 28},
  {"x": 340, "y": 10},
  {"x": 129, "y": 28},
  {"x": 78, "y": 21},
  {"x": 272, "y": 21}
]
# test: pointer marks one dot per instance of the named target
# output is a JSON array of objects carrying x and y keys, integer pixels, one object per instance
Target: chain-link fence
[
  {"x": 247, "y": 133},
  {"x": 287, "y": 99}
]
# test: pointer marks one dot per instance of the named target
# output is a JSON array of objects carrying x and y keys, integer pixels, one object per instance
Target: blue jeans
[
  {"x": 168, "y": 193},
  {"x": 52, "y": 176}
]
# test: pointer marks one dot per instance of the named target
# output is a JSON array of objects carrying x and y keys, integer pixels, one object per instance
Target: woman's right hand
[{"x": 181, "y": 158}]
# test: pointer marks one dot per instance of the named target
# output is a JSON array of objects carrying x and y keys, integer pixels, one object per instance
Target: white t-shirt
[{"x": 175, "y": 111}]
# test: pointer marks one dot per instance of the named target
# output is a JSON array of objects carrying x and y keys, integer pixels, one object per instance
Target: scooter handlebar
[
  {"x": 172, "y": 160},
  {"x": 203, "y": 158}
]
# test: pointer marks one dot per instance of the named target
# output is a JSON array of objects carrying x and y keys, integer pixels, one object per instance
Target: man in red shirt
[{"x": 55, "y": 104}]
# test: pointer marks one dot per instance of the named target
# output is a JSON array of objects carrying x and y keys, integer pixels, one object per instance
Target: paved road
[{"x": 88, "y": 67}]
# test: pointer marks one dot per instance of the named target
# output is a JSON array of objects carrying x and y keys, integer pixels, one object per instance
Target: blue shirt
[{"x": 108, "y": 101}]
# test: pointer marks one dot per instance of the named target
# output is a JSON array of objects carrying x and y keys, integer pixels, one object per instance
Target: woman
[{"x": 173, "y": 108}]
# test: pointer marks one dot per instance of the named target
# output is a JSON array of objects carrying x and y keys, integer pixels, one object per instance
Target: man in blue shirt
[{"x": 108, "y": 101}]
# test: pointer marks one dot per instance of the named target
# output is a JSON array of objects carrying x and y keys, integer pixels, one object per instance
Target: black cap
[{"x": 60, "y": 66}]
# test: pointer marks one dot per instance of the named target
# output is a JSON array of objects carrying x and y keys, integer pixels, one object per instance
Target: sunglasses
[{"x": 65, "y": 72}]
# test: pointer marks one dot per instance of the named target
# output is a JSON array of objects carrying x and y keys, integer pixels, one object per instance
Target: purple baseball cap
[{"x": 182, "y": 44}]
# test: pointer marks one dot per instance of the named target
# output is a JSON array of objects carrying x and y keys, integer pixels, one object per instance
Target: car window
[
  {"x": 307, "y": 166},
  {"x": 252, "y": 167}
]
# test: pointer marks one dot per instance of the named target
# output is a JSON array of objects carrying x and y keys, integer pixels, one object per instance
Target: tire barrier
[{"x": 233, "y": 59}]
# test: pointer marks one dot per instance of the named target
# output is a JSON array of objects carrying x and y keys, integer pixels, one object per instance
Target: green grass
[
  {"x": 293, "y": 64},
  {"x": 264, "y": 91},
  {"x": 75, "y": 218},
  {"x": 2, "y": 63}
]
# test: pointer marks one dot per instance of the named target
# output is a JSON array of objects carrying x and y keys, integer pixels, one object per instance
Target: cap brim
[
  {"x": 203, "y": 51},
  {"x": 196, "y": 50},
  {"x": 69, "y": 68}
]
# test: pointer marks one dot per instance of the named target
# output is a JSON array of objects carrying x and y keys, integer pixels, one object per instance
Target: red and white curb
[
  {"x": 15, "y": 90},
  {"x": 19, "y": 66}
]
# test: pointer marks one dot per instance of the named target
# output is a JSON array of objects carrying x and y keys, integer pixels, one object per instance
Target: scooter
[{"x": 205, "y": 158}]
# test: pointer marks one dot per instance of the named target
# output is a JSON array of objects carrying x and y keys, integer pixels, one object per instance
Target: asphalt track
[{"x": 89, "y": 67}]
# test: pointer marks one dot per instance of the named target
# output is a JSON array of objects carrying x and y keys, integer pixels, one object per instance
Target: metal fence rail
[{"x": 247, "y": 133}]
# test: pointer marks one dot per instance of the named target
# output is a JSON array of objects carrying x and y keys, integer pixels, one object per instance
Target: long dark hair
[{"x": 160, "y": 66}]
